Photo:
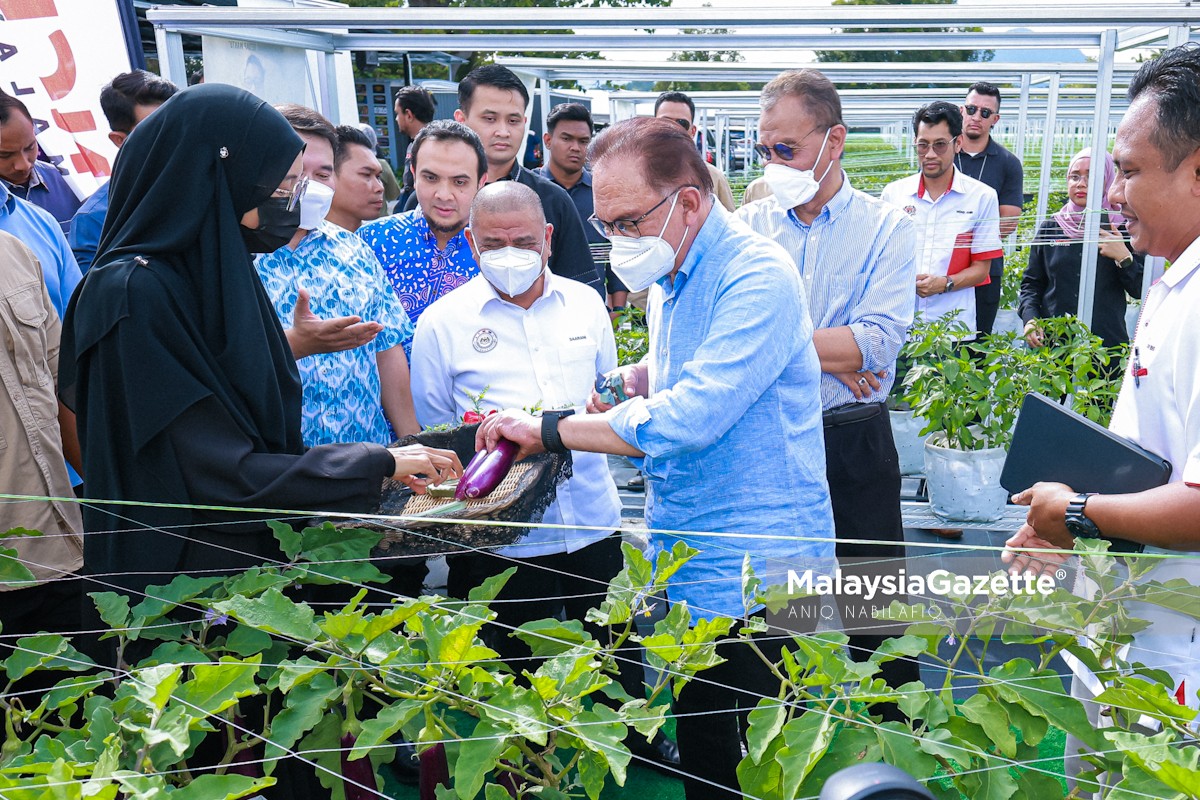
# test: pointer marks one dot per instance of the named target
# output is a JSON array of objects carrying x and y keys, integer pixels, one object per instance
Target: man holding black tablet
[{"x": 1158, "y": 190}]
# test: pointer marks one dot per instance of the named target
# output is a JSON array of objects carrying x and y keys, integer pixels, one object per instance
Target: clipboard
[{"x": 1053, "y": 443}]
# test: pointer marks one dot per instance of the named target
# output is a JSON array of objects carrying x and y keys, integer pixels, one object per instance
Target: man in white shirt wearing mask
[{"x": 520, "y": 336}]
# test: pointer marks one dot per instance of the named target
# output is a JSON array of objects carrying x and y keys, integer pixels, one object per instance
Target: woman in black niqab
[{"x": 173, "y": 359}]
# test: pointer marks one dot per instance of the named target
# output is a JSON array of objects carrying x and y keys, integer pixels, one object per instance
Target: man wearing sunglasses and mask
[
  {"x": 988, "y": 161},
  {"x": 856, "y": 260},
  {"x": 731, "y": 380}
]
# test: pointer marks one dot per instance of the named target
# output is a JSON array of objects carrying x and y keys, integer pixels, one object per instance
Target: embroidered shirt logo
[{"x": 485, "y": 340}]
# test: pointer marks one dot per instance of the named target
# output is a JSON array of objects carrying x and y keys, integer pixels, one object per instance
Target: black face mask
[{"x": 276, "y": 226}]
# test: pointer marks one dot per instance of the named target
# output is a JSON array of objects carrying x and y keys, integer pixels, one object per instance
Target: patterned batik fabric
[
  {"x": 418, "y": 271},
  {"x": 342, "y": 401}
]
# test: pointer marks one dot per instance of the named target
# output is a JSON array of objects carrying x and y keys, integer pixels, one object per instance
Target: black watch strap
[
  {"x": 550, "y": 438},
  {"x": 1077, "y": 521}
]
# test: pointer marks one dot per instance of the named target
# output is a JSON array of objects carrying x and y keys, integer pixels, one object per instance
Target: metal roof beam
[{"x": 443, "y": 19}]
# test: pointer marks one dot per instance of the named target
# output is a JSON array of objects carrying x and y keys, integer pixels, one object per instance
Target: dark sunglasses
[
  {"x": 780, "y": 149},
  {"x": 985, "y": 113}
]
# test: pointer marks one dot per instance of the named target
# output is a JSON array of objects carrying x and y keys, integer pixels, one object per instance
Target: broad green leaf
[
  {"x": 765, "y": 722},
  {"x": 221, "y": 787},
  {"x": 386, "y": 723},
  {"x": 476, "y": 758},
  {"x": 393, "y": 618},
  {"x": 1161, "y": 756},
  {"x": 939, "y": 742},
  {"x": 762, "y": 780},
  {"x": 487, "y": 591},
  {"x": 994, "y": 782},
  {"x": 806, "y": 737},
  {"x": 899, "y": 747},
  {"x": 549, "y": 637},
  {"x": 247, "y": 641},
  {"x": 44, "y": 651},
  {"x": 323, "y": 744},
  {"x": 288, "y": 538},
  {"x": 143, "y": 787},
  {"x": 71, "y": 689},
  {"x": 521, "y": 711},
  {"x": 255, "y": 581},
  {"x": 1042, "y": 694},
  {"x": 494, "y": 791},
  {"x": 601, "y": 731},
  {"x": 989, "y": 715},
  {"x": 1136, "y": 695},
  {"x": 113, "y": 608},
  {"x": 274, "y": 613},
  {"x": 593, "y": 769},
  {"x": 1136, "y": 784},
  {"x": 215, "y": 687},
  {"x": 161, "y": 600},
  {"x": 303, "y": 711},
  {"x": 1032, "y": 784},
  {"x": 13, "y": 572}
]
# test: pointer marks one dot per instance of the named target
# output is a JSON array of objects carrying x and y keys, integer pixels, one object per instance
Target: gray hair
[
  {"x": 495, "y": 198},
  {"x": 817, "y": 92}
]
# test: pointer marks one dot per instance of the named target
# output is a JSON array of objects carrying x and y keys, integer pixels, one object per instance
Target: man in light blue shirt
[
  {"x": 856, "y": 256},
  {"x": 724, "y": 413}
]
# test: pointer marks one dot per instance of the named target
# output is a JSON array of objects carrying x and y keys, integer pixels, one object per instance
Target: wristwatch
[
  {"x": 949, "y": 285},
  {"x": 550, "y": 438},
  {"x": 1077, "y": 522},
  {"x": 1126, "y": 262}
]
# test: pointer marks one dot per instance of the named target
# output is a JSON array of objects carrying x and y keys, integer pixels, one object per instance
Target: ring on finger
[{"x": 862, "y": 381}]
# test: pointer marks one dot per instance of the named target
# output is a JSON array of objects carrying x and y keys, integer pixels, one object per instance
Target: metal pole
[
  {"x": 170, "y": 55},
  {"x": 1091, "y": 228},
  {"x": 325, "y": 80},
  {"x": 1022, "y": 118},
  {"x": 1047, "y": 149}
]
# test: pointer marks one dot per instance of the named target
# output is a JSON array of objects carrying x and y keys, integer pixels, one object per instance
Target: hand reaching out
[{"x": 310, "y": 334}]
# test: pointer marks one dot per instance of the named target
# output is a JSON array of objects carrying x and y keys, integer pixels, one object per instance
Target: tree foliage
[{"x": 941, "y": 54}]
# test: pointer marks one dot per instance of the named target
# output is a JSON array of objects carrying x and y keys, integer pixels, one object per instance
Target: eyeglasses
[
  {"x": 784, "y": 151},
  {"x": 292, "y": 195},
  {"x": 629, "y": 227},
  {"x": 939, "y": 147},
  {"x": 985, "y": 113},
  {"x": 683, "y": 123}
]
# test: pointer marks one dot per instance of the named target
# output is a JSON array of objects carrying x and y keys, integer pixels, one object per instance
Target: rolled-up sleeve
[
  {"x": 758, "y": 322},
  {"x": 883, "y": 313}
]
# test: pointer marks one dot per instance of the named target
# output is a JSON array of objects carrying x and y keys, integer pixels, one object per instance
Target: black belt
[{"x": 850, "y": 413}]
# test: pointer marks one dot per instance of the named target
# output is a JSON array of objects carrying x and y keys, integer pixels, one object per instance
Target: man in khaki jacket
[{"x": 31, "y": 457}]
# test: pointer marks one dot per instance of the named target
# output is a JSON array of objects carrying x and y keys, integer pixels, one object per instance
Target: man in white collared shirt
[
  {"x": 1157, "y": 153},
  {"x": 958, "y": 218},
  {"x": 521, "y": 337}
]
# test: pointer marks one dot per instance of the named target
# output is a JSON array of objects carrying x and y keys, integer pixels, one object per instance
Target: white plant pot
[
  {"x": 964, "y": 485},
  {"x": 910, "y": 444}
]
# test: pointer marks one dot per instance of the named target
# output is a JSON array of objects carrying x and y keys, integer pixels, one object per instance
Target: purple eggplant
[
  {"x": 486, "y": 470},
  {"x": 358, "y": 777},
  {"x": 435, "y": 771}
]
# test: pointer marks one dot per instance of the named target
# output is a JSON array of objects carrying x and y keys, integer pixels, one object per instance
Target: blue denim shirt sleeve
[
  {"x": 743, "y": 354},
  {"x": 887, "y": 302}
]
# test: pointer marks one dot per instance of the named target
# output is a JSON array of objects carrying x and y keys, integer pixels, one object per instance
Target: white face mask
[
  {"x": 795, "y": 187},
  {"x": 640, "y": 261},
  {"x": 314, "y": 205},
  {"x": 511, "y": 270}
]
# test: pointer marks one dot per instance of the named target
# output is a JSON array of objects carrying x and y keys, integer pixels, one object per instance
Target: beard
[
  {"x": 438, "y": 227},
  {"x": 974, "y": 137}
]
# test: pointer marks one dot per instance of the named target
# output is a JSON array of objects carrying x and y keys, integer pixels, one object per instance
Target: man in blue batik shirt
[
  {"x": 362, "y": 393},
  {"x": 424, "y": 251},
  {"x": 724, "y": 414},
  {"x": 856, "y": 259}
]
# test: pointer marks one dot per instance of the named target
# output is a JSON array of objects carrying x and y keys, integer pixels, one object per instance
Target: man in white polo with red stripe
[{"x": 957, "y": 217}]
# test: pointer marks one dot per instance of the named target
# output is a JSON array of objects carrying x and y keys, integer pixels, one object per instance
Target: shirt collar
[
  {"x": 456, "y": 241},
  {"x": 949, "y": 189},
  {"x": 486, "y": 293},
  {"x": 7, "y": 198},
  {"x": 836, "y": 205},
  {"x": 706, "y": 238},
  {"x": 1183, "y": 266},
  {"x": 515, "y": 172},
  {"x": 35, "y": 180}
]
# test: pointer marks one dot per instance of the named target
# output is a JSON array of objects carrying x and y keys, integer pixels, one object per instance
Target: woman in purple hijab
[{"x": 1050, "y": 287}]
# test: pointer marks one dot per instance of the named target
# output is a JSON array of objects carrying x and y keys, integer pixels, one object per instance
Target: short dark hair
[
  {"x": 675, "y": 97},
  {"x": 816, "y": 92},
  {"x": 669, "y": 158},
  {"x": 9, "y": 104},
  {"x": 986, "y": 89},
  {"x": 489, "y": 75},
  {"x": 348, "y": 135},
  {"x": 306, "y": 120},
  {"x": 417, "y": 100},
  {"x": 1173, "y": 80},
  {"x": 447, "y": 130},
  {"x": 568, "y": 112},
  {"x": 129, "y": 89},
  {"x": 936, "y": 112}
]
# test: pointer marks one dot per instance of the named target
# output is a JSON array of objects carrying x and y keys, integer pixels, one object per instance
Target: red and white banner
[{"x": 55, "y": 56}]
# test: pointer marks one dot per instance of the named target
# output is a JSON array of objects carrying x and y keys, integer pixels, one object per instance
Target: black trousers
[
  {"x": 711, "y": 711},
  {"x": 987, "y": 303},
  {"x": 864, "y": 486}
]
